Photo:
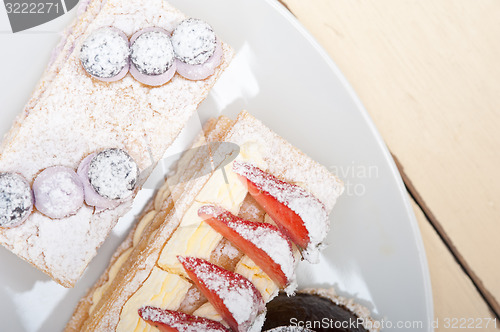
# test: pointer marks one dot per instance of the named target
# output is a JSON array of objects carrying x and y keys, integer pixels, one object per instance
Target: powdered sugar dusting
[
  {"x": 104, "y": 53},
  {"x": 16, "y": 199},
  {"x": 180, "y": 321},
  {"x": 194, "y": 41},
  {"x": 227, "y": 250},
  {"x": 125, "y": 114},
  {"x": 308, "y": 208},
  {"x": 250, "y": 210},
  {"x": 192, "y": 300},
  {"x": 58, "y": 192},
  {"x": 271, "y": 242},
  {"x": 155, "y": 315},
  {"x": 266, "y": 237},
  {"x": 113, "y": 174},
  {"x": 239, "y": 295},
  {"x": 49, "y": 240},
  {"x": 258, "y": 323},
  {"x": 152, "y": 53},
  {"x": 285, "y": 161},
  {"x": 230, "y": 252},
  {"x": 289, "y": 329}
]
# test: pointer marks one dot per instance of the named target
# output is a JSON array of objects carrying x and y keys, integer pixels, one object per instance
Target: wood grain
[
  {"x": 428, "y": 72},
  {"x": 455, "y": 296}
]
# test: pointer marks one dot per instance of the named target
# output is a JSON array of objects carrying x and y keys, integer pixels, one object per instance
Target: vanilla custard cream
[{"x": 166, "y": 286}]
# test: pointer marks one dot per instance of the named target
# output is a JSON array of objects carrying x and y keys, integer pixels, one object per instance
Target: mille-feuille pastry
[
  {"x": 119, "y": 88},
  {"x": 319, "y": 310},
  {"x": 219, "y": 241}
]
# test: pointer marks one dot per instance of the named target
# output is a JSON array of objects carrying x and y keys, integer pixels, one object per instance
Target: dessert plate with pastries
[{"x": 196, "y": 165}]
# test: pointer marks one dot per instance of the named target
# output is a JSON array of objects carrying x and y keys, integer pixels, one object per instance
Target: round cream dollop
[
  {"x": 58, "y": 192},
  {"x": 105, "y": 53},
  {"x": 16, "y": 200}
]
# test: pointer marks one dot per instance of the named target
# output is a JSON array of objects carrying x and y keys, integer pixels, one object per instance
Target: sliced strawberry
[
  {"x": 176, "y": 321},
  {"x": 265, "y": 244},
  {"x": 300, "y": 215},
  {"x": 233, "y": 296}
]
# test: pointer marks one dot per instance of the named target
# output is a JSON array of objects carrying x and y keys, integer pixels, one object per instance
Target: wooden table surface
[{"x": 428, "y": 72}]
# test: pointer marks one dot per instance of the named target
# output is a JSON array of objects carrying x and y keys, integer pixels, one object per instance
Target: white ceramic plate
[{"x": 284, "y": 78}]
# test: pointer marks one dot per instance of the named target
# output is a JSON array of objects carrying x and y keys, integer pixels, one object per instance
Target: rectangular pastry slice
[
  {"x": 119, "y": 88},
  {"x": 226, "y": 224}
]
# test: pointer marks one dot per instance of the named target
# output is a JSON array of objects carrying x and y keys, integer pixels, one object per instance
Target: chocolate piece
[
  {"x": 194, "y": 41},
  {"x": 16, "y": 200},
  {"x": 105, "y": 54},
  {"x": 151, "y": 52},
  {"x": 113, "y": 174},
  {"x": 307, "y": 309},
  {"x": 58, "y": 192}
]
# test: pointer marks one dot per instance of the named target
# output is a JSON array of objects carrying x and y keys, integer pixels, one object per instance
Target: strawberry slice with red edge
[
  {"x": 297, "y": 213},
  {"x": 264, "y": 243},
  {"x": 176, "y": 321},
  {"x": 233, "y": 296}
]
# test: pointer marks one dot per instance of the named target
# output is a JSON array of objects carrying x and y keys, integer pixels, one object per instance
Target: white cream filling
[
  {"x": 192, "y": 238},
  {"x": 113, "y": 270},
  {"x": 161, "y": 289},
  {"x": 195, "y": 238}
]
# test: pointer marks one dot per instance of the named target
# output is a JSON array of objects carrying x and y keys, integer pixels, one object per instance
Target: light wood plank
[
  {"x": 429, "y": 74},
  {"x": 454, "y": 293}
]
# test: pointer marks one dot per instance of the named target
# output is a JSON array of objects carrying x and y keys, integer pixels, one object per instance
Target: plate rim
[
  {"x": 403, "y": 193},
  {"x": 281, "y": 9}
]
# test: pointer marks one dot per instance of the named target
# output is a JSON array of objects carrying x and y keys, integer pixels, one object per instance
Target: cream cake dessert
[
  {"x": 220, "y": 238},
  {"x": 121, "y": 85}
]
